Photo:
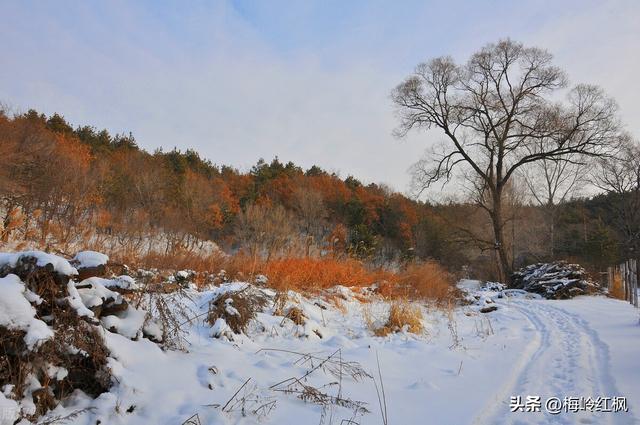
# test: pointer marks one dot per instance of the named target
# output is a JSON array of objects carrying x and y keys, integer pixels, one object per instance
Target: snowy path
[{"x": 564, "y": 357}]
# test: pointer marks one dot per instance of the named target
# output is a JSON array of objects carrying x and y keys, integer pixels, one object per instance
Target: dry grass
[
  {"x": 617, "y": 288},
  {"x": 296, "y": 315},
  {"x": 314, "y": 274},
  {"x": 402, "y": 316},
  {"x": 336, "y": 300},
  {"x": 180, "y": 260},
  {"x": 418, "y": 281},
  {"x": 423, "y": 281}
]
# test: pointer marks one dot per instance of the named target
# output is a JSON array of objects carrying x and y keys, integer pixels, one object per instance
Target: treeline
[
  {"x": 62, "y": 184},
  {"x": 62, "y": 187}
]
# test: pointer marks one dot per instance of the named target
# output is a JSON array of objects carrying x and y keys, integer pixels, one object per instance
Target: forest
[{"x": 63, "y": 186}]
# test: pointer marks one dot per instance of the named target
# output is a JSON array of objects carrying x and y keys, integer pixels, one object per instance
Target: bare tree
[
  {"x": 266, "y": 230},
  {"x": 494, "y": 111},
  {"x": 619, "y": 177},
  {"x": 309, "y": 205},
  {"x": 550, "y": 183}
]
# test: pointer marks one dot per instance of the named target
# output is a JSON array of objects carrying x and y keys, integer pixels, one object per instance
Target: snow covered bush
[
  {"x": 52, "y": 329},
  {"x": 236, "y": 308},
  {"x": 50, "y": 346}
]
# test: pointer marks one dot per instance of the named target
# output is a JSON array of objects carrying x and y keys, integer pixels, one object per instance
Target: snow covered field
[{"x": 464, "y": 369}]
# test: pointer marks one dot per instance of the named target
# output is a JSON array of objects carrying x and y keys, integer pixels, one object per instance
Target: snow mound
[
  {"x": 42, "y": 259},
  {"x": 121, "y": 282},
  {"x": 16, "y": 313},
  {"x": 86, "y": 259}
]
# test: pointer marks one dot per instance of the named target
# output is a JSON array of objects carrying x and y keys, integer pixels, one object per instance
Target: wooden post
[
  {"x": 634, "y": 276},
  {"x": 628, "y": 268},
  {"x": 632, "y": 272},
  {"x": 625, "y": 280}
]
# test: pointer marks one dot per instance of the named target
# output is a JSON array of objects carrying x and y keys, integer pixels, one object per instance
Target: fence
[{"x": 622, "y": 281}]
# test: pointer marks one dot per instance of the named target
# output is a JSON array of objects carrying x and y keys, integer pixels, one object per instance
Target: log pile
[{"x": 557, "y": 280}]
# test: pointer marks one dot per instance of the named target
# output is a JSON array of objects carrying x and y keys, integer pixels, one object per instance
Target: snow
[
  {"x": 122, "y": 282},
  {"x": 75, "y": 301},
  {"x": 17, "y": 313},
  {"x": 220, "y": 329},
  {"x": 57, "y": 372},
  {"x": 59, "y": 264},
  {"x": 9, "y": 411},
  {"x": 565, "y": 356},
  {"x": 128, "y": 323},
  {"x": 87, "y": 259},
  {"x": 462, "y": 369},
  {"x": 98, "y": 291}
]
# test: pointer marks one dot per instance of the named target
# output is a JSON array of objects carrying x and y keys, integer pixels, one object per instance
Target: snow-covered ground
[
  {"x": 467, "y": 367},
  {"x": 464, "y": 369}
]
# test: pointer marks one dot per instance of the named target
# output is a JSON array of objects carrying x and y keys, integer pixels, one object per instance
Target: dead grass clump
[
  {"x": 86, "y": 361},
  {"x": 296, "y": 315},
  {"x": 402, "y": 316},
  {"x": 77, "y": 347},
  {"x": 237, "y": 308},
  {"x": 293, "y": 313},
  {"x": 337, "y": 300},
  {"x": 280, "y": 303},
  {"x": 14, "y": 362}
]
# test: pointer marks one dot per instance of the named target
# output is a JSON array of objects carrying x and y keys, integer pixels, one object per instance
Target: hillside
[{"x": 68, "y": 189}]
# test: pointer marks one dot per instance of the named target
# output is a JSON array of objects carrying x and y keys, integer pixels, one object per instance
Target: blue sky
[{"x": 307, "y": 81}]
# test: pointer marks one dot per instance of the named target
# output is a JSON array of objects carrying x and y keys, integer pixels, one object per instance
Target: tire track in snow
[{"x": 565, "y": 358}]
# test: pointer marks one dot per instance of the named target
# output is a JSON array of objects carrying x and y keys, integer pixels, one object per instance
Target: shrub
[{"x": 236, "y": 308}]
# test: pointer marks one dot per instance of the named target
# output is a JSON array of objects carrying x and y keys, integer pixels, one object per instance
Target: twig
[
  {"x": 382, "y": 401},
  {"x": 193, "y": 420},
  {"x": 235, "y": 394}
]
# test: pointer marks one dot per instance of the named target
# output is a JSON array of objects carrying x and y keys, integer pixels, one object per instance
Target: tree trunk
[{"x": 502, "y": 259}]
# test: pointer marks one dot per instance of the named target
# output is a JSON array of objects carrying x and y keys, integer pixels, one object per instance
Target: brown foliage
[
  {"x": 617, "y": 289},
  {"x": 313, "y": 274},
  {"x": 426, "y": 281}
]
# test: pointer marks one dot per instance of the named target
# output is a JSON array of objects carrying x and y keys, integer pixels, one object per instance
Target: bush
[{"x": 237, "y": 308}]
